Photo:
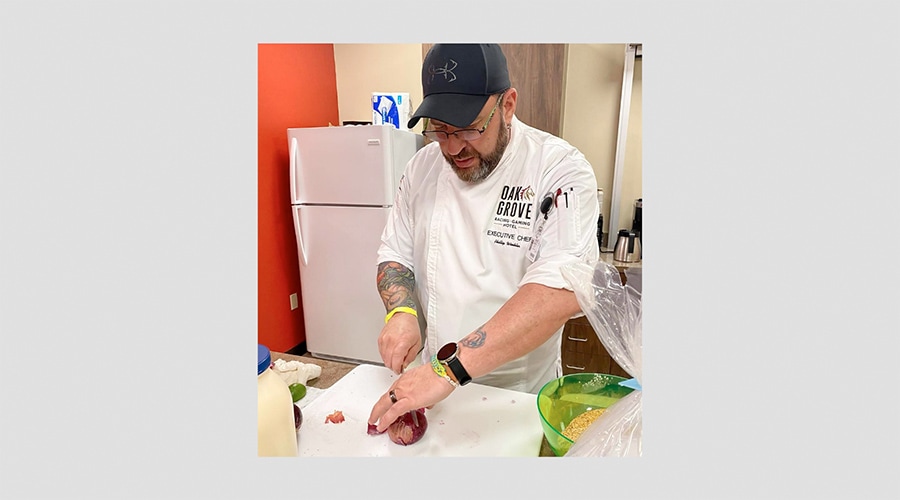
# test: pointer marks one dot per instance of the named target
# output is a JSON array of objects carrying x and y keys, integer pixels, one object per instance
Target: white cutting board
[{"x": 475, "y": 420}]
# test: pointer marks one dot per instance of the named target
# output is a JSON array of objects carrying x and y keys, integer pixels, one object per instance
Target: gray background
[{"x": 128, "y": 249}]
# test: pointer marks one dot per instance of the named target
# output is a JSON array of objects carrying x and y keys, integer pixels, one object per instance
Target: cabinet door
[
  {"x": 582, "y": 351},
  {"x": 537, "y": 71}
]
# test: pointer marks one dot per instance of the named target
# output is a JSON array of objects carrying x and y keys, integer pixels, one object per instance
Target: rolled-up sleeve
[{"x": 569, "y": 233}]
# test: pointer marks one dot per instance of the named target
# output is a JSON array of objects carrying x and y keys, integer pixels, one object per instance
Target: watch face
[{"x": 446, "y": 351}]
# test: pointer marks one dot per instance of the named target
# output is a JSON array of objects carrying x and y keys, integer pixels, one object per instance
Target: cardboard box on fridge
[{"x": 391, "y": 108}]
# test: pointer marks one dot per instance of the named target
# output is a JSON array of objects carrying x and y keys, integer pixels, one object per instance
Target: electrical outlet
[{"x": 295, "y": 303}]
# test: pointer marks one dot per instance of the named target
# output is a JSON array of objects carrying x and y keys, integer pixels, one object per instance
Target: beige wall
[
  {"x": 365, "y": 68},
  {"x": 592, "y": 97}
]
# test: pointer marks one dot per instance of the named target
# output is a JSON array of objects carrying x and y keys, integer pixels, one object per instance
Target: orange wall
[{"x": 296, "y": 88}]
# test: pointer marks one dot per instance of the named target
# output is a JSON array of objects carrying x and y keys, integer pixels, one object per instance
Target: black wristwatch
[{"x": 447, "y": 356}]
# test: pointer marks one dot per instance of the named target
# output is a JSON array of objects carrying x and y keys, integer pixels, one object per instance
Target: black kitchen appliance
[
  {"x": 600, "y": 219},
  {"x": 636, "y": 221}
]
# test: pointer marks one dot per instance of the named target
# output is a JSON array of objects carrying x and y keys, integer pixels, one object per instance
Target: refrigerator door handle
[
  {"x": 298, "y": 228},
  {"x": 293, "y": 169}
]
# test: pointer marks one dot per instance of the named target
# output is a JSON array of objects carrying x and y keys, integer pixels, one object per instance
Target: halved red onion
[{"x": 408, "y": 429}]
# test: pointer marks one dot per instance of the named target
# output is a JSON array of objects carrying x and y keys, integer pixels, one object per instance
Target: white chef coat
[{"x": 468, "y": 244}]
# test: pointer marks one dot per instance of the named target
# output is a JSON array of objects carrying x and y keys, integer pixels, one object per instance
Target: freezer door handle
[
  {"x": 298, "y": 229},
  {"x": 293, "y": 169}
]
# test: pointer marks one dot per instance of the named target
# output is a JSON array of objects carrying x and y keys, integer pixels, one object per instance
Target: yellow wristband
[{"x": 395, "y": 310}]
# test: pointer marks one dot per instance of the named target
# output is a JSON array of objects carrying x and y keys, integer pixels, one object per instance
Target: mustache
[{"x": 465, "y": 154}]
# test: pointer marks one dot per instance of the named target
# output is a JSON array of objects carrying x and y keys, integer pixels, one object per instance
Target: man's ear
[{"x": 509, "y": 104}]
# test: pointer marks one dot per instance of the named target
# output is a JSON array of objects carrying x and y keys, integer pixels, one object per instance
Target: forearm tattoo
[
  {"x": 396, "y": 285},
  {"x": 475, "y": 339}
]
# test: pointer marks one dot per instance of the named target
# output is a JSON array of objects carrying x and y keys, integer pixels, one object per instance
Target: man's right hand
[{"x": 400, "y": 341}]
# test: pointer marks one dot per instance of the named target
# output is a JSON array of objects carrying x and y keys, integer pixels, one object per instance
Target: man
[{"x": 484, "y": 218}]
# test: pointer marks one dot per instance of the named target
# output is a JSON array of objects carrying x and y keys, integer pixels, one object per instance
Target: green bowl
[{"x": 563, "y": 399}]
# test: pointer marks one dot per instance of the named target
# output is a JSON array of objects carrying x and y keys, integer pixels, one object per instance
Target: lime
[{"x": 297, "y": 391}]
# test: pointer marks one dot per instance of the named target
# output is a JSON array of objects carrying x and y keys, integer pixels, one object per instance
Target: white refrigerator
[{"x": 343, "y": 181}]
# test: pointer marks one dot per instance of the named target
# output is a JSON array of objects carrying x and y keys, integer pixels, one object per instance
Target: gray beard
[{"x": 486, "y": 163}]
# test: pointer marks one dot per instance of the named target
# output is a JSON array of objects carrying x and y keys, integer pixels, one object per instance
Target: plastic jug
[{"x": 276, "y": 432}]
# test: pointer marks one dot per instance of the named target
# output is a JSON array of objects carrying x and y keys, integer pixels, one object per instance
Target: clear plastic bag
[{"x": 614, "y": 311}]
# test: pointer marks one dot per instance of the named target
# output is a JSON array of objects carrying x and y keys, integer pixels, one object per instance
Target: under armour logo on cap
[{"x": 444, "y": 70}]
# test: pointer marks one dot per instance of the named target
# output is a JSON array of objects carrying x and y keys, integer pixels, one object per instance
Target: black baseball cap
[{"x": 457, "y": 79}]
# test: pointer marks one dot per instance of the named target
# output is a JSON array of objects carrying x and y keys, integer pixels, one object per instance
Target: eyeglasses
[{"x": 466, "y": 134}]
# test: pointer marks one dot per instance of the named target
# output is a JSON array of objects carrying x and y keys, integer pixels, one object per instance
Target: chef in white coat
[{"x": 485, "y": 217}]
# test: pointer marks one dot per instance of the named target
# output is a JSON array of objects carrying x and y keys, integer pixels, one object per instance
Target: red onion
[
  {"x": 335, "y": 418},
  {"x": 408, "y": 428},
  {"x": 298, "y": 417}
]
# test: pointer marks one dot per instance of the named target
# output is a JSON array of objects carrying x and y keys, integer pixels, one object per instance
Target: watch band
[{"x": 448, "y": 356}]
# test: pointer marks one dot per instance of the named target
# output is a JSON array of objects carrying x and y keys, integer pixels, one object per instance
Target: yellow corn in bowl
[{"x": 563, "y": 401}]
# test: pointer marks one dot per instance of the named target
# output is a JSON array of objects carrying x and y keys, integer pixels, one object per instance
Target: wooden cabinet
[
  {"x": 582, "y": 351},
  {"x": 537, "y": 71}
]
